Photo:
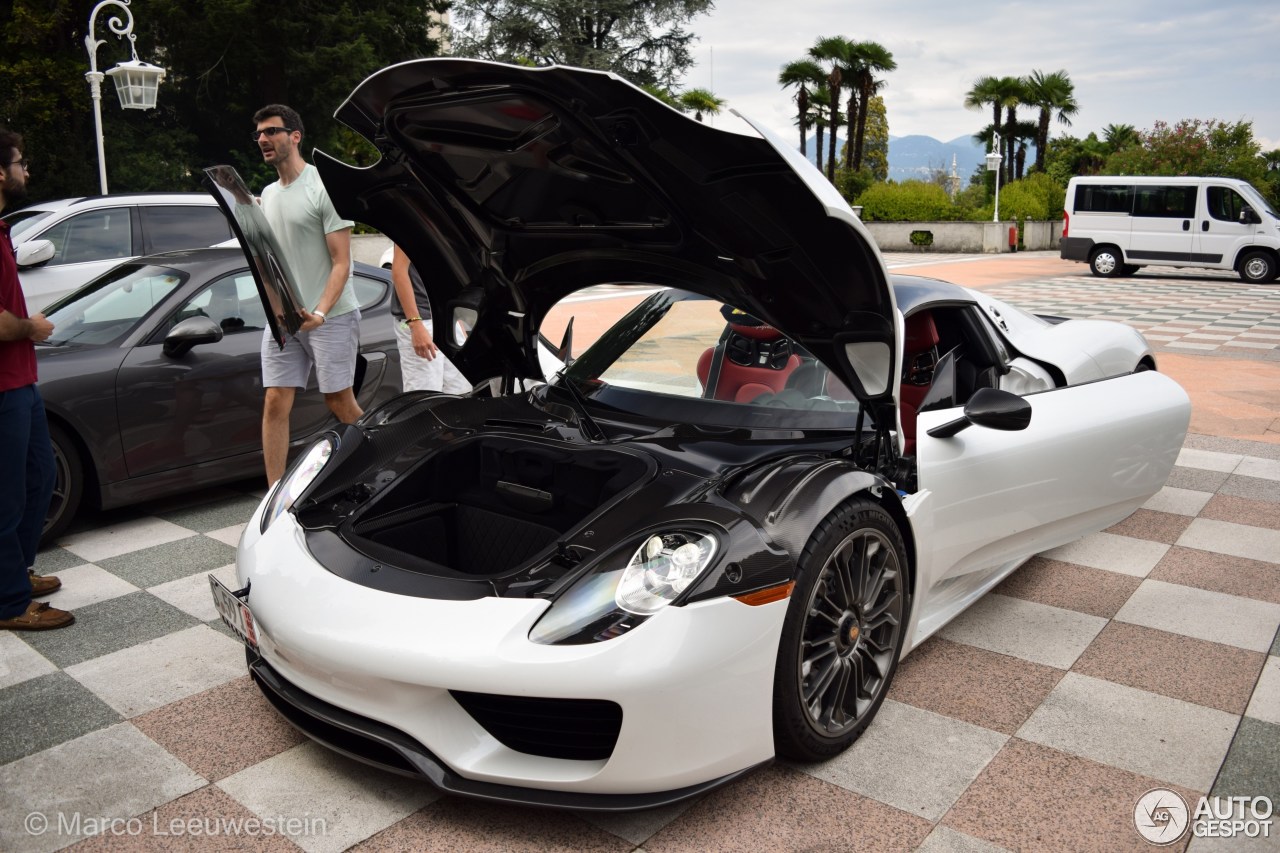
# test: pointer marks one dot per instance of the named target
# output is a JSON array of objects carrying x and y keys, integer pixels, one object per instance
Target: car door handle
[
  {"x": 1186, "y": 225},
  {"x": 1204, "y": 226}
]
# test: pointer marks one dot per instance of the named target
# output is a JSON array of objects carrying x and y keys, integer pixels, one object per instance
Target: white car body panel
[
  {"x": 709, "y": 664},
  {"x": 989, "y": 499}
]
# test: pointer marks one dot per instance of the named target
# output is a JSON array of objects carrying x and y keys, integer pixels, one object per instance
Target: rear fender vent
[{"x": 578, "y": 729}]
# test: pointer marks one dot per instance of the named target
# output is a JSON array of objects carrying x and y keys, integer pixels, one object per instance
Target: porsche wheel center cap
[{"x": 849, "y": 633}]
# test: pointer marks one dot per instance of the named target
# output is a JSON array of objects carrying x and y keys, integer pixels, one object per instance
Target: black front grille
[{"x": 581, "y": 729}]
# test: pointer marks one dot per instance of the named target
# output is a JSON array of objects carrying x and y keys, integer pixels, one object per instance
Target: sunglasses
[{"x": 270, "y": 131}]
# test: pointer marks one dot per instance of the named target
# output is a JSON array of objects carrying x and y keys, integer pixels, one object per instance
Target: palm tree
[
  {"x": 820, "y": 110},
  {"x": 805, "y": 75},
  {"x": 1117, "y": 136},
  {"x": 869, "y": 58},
  {"x": 986, "y": 90},
  {"x": 1019, "y": 134},
  {"x": 701, "y": 101},
  {"x": 1050, "y": 92},
  {"x": 837, "y": 52},
  {"x": 662, "y": 94}
]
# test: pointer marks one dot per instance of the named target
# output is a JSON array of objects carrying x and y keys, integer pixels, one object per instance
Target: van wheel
[
  {"x": 1105, "y": 262},
  {"x": 1257, "y": 268}
]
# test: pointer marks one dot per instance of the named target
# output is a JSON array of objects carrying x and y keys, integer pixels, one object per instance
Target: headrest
[
  {"x": 756, "y": 333},
  {"x": 920, "y": 332}
]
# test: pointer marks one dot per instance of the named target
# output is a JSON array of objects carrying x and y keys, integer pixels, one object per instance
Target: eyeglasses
[
  {"x": 270, "y": 131},
  {"x": 24, "y": 163}
]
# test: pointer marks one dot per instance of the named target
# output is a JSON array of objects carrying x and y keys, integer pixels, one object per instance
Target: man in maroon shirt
[{"x": 26, "y": 456}]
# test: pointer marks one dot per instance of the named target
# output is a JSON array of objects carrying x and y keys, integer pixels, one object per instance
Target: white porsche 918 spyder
[{"x": 706, "y": 541}]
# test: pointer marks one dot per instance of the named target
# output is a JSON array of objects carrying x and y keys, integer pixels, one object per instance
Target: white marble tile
[
  {"x": 1206, "y": 615},
  {"x": 1209, "y": 460},
  {"x": 1025, "y": 629},
  {"x": 19, "y": 662},
  {"x": 1236, "y": 540},
  {"x": 191, "y": 594},
  {"x": 85, "y": 585},
  {"x": 1178, "y": 501},
  {"x": 228, "y": 535},
  {"x": 345, "y": 801},
  {"x": 116, "y": 772},
  {"x": 1263, "y": 469},
  {"x": 144, "y": 677},
  {"x": 1265, "y": 704},
  {"x": 934, "y": 758},
  {"x": 104, "y": 542},
  {"x": 1114, "y": 553},
  {"x": 1168, "y": 739}
]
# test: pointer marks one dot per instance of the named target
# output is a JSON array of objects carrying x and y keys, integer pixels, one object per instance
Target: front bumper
[{"x": 694, "y": 683}]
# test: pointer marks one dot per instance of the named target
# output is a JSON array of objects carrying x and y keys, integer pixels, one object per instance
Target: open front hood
[{"x": 510, "y": 187}]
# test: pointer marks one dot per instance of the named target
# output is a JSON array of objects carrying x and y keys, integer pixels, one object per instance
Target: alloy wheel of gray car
[
  {"x": 1105, "y": 262},
  {"x": 68, "y": 485},
  {"x": 1257, "y": 268},
  {"x": 843, "y": 632}
]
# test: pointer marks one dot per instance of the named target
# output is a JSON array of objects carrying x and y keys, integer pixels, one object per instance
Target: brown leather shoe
[
  {"x": 43, "y": 584},
  {"x": 39, "y": 617}
]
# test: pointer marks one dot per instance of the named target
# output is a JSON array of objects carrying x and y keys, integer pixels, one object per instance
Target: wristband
[
  {"x": 408, "y": 320},
  {"x": 320, "y": 314}
]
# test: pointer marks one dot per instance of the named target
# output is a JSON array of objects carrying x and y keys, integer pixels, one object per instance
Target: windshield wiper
[{"x": 589, "y": 426}]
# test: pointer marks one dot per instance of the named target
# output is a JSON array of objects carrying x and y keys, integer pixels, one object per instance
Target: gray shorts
[{"x": 332, "y": 348}]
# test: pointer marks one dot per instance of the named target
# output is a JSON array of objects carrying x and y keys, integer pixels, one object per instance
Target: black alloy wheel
[
  {"x": 68, "y": 485},
  {"x": 843, "y": 632}
]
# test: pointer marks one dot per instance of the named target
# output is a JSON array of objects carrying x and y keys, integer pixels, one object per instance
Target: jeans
[{"x": 26, "y": 484}]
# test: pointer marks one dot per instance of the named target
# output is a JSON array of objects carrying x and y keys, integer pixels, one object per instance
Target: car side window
[
  {"x": 232, "y": 302},
  {"x": 1225, "y": 204},
  {"x": 1165, "y": 202},
  {"x": 369, "y": 291},
  {"x": 95, "y": 235},
  {"x": 169, "y": 227}
]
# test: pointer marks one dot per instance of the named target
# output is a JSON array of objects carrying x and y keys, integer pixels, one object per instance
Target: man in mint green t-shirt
[{"x": 316, "y": 244}]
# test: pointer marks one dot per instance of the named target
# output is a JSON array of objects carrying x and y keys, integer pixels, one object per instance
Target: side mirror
[
  {"x": 991, "y": 408},
  {"x": 565, "y": 353},
  {"x": 34, "y": 253},
  {"x": 1249, "y": 216},
  {"x": 191, "y": 332}
]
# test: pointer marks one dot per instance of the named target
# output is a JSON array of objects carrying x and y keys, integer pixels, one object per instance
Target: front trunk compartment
[{"x": 483, "y": 507}]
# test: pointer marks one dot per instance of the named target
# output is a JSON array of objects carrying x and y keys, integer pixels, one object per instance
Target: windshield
[
  {"x": 25, "y": 220},
  {"x": 690, "y": 359},
  {"x": 109, "y": 308}
]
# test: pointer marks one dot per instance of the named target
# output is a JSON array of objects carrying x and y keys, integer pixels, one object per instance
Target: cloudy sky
[{"x": 1132, "y": 61}]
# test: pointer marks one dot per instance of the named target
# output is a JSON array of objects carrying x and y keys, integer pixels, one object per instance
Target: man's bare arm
[{"x": 14, "y": 328}]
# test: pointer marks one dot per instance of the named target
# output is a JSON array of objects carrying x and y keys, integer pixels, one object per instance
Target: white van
[{"x": 1118, "y": 224}]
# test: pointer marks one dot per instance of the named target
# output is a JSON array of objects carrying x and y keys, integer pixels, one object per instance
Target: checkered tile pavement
[{"x": 1144, "y": 656}]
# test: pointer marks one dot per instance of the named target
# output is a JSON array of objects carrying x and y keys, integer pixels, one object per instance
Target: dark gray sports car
[{"x": 153, "y": 383}]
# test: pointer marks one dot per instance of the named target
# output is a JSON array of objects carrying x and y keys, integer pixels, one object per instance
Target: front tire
[
  {"x": 68, "y": 485},
  {"x": 1106, "y": 262},
  {"x": 1257, "y": 268},
  {"x": 843, "y": 632}
]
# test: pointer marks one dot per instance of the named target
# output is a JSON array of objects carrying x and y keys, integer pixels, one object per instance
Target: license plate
[{"x": 234, "y": 612}]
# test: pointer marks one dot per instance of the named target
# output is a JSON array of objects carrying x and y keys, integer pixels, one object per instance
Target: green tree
[
  {"x": 1117, "y": 136},
  {"x": 875, "y": 164},
  {"x": 909, "y": 201},
  {"x": 1051, "y": 93},
  {"x": 837, "y": 53},
  {"x": 224, "y": 59},
  {"x": 1001, "y": 94},
  {"x": 643, "y": 41},
  {"x": 701, "y": 101},
  {"x": 806, "y": 76},
  {"x": 1193, "y": 147},
  {"x": 869, "y": 59}
]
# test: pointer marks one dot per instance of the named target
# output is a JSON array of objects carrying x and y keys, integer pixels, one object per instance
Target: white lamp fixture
[
  {"x": 136, "y": 82},
  {"x": 993, "y": 165}
]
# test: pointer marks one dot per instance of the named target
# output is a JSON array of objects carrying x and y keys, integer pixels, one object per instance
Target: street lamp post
[
  {"x": 993, "y": 165},
  {"x": 136, "y": 82}
]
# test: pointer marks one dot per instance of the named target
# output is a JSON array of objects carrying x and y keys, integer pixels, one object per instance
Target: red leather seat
[
  {"x": 920, "y": 339},
  {"x": 756, "y": 360}
]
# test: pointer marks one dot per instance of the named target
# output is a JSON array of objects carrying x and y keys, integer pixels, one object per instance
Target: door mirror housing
[
  {"x": 191, "y": 332},
  {"x": 34, "y": 253},
  {"x": 1249, "y": 216},
  {"x": 991, "y": 408}
]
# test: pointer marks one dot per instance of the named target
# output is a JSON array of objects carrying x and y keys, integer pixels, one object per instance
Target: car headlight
[
  {"x": 294, "y": 483},
  {"x": 610, "y": 601}
]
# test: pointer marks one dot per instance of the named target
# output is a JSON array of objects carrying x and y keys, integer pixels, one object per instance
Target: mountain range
[{"x": 919, "y": 156}]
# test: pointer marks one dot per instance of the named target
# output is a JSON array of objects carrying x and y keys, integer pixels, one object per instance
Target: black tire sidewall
[
  {"x": 1271, "y": 268},
  {"x": 65, "y": 448},
  {"x": 794, "y": 737},
  {"x": 1114, "y": 253}
]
